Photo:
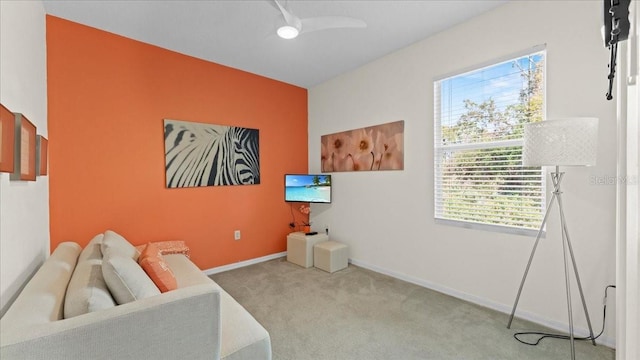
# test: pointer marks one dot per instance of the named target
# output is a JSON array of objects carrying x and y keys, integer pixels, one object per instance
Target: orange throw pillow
[{"x": 154, "y": 265}]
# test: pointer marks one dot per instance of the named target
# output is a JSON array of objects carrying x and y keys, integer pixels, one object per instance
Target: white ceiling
[{"x": 241, "y": 33}]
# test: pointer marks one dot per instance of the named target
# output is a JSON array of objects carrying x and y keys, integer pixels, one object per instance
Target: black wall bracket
[{"x": 616, "y": 29}]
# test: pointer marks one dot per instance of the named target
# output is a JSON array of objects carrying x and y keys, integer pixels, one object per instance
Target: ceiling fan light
[{"x": 287, "y": 32}]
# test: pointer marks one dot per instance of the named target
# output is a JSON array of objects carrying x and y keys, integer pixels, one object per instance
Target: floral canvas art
[{"x": 373, "y": 148}]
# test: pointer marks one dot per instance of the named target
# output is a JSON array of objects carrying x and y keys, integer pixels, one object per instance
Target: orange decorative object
[
  {"x": 306, "y": 228},
  {"x": 154, "y": 265},
  {"x": 25, "y": 167},
  {"x": 7, "y": 139},
  {"x": 169, "y": 247}
]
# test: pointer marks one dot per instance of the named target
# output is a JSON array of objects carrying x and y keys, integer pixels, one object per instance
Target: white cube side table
[
  {"x": 331, "y": 256},
  {"x": 300, "y": 247}
]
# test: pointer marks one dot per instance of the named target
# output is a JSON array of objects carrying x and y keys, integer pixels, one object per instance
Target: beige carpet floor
[{"x": 360, "y": 314}]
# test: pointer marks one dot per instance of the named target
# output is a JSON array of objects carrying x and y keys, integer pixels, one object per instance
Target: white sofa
[{"x": 198, "y": 320}]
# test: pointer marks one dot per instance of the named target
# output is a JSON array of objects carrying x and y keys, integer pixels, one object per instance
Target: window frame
[{"x": 438, "y": 148}]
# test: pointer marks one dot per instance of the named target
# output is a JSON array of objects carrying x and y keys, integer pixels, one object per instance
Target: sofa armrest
[
  {"x": 42, "y": 299},
  {"x": 180, "y": 324}
]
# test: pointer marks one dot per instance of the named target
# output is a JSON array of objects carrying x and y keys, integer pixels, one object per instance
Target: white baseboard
[
  {"x": 553, "y": 324},
  {"x": 241, "y": 264}
]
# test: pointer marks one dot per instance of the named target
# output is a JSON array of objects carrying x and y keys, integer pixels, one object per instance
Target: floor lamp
[{"x": 561, "y": 142}]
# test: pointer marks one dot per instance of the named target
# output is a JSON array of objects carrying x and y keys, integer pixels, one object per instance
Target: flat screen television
[{"x": 311, "y": 188}]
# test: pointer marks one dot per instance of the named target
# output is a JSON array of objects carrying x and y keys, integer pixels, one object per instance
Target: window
[{"x": 479, "y": 118}]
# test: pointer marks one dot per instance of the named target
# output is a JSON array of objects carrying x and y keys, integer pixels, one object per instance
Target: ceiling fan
[{"x": 295, "y": 25}]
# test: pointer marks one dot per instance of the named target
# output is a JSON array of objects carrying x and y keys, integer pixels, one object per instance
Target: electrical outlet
[{"x": 236, "y": 235}]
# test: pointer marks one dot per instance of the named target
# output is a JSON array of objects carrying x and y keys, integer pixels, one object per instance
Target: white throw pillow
[
  {"x": 113, "y": 240},
  {"x": 126, "y": 280}
]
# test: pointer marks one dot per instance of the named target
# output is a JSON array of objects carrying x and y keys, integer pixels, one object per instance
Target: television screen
[{"x": 312, "y": 188}]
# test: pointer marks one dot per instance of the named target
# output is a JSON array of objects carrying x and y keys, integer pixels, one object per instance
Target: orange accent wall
[{"x": 107, "y": 98}]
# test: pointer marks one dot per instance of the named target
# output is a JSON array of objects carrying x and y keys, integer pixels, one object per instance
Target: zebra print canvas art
[{"x": 198, "y": 154}]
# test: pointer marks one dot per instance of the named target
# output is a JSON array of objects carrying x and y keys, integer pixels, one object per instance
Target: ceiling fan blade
[
  {"x": 291, "y": 19},
  {"x": 331, "y": 22}
]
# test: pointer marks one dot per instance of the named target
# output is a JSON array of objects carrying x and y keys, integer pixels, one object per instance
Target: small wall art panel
[
  {"x": 24, "y": 157},
  {"x": 7, "y": 136},
  {"x": 42, "y": 155},
  {"x": 379, "y": 147},
  {"x": 198, "y": 154}
]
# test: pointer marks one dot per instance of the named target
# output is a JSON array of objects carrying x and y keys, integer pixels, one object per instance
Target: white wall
[
  {"x": 387, "y": 218},
  {"x": 24, "y": 206}
]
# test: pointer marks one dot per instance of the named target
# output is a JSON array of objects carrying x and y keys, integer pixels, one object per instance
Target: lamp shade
[{"x": 566, "y": 142}]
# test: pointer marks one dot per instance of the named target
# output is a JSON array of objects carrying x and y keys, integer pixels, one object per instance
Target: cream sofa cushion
[
  {"x": 87, "y": 290},
  {"x": 92, "y": 249},
  {"x": 126, "y": 280},
  {"x": 115, "y": 241},
  {"x": 42, "y": 299}
]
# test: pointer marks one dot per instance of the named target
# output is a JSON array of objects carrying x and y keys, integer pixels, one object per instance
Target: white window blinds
[{"x": 479, "y": 118}]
